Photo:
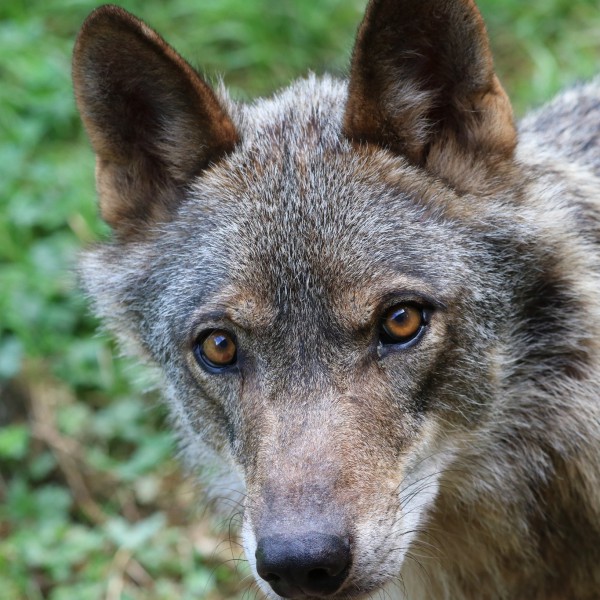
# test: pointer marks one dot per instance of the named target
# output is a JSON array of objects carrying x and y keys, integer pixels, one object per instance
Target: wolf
[{"x": 374, "y": 303}]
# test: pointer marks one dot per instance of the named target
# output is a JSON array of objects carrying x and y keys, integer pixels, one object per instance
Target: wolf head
[{"x": 327, "y": 279}]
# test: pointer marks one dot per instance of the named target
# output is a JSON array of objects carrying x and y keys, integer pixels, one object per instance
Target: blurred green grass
[{"x": 91, "y": 503}]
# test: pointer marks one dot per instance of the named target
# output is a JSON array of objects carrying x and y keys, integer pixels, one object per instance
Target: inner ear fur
[
  {"x": 422, "y": 84},
  {"x": 152, "y": 120}
]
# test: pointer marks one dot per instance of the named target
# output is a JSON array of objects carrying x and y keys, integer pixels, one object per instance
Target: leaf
[
  {"x": 134, "y": 535},
  {"x": 14, "y": 442}
]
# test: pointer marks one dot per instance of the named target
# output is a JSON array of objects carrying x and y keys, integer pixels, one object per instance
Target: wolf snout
[{"x": 314, "y": 564}]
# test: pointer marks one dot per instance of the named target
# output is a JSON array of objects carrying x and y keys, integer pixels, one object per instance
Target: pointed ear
[
  {"x": 422, "y": 84},
  {"x": 152, "y": 121}
]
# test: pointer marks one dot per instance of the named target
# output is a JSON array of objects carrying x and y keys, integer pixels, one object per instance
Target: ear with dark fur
[
  {"x": 153, "y": 122},
  {"x": 422, "y": 84}
]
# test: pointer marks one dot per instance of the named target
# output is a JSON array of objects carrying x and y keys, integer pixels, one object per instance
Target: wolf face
[{"x": 361, "y": 307}]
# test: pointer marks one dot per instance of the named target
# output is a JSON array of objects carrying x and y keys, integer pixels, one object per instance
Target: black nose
[{"x": 315, "y": 564}]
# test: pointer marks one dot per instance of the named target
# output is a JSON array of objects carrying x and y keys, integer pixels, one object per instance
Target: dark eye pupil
[
  {"x": 221, "y": 342},
  {"x": 399, "y": 317}
]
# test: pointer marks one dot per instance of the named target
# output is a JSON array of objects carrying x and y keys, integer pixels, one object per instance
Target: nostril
[
  {"x": 316, "y": 575},
  {"x": 315, "y": 563}
]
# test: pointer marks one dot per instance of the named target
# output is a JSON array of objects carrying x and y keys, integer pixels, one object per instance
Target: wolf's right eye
[{"x": 216, "y": 349}]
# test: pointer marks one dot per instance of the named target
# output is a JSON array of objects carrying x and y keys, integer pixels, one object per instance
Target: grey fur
[{"x": 488, "y": 429}]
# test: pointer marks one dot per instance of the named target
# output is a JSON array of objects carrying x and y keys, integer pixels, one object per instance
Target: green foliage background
[{"x": 92, "y": 504}]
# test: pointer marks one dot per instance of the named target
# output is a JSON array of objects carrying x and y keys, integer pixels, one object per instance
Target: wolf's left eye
[
  {"x": 216, "y": 349},
  {"x": 403, "y": 324}
]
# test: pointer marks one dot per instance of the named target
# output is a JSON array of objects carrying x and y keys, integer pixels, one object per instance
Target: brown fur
[
  {"x": 178, "y": 129},
  {"x": 418, "y": 98}
]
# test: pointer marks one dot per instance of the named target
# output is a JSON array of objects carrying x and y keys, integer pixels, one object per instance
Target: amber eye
[
  {"x": 403, "y": 323},
  {"x": 216, "y": 349}
]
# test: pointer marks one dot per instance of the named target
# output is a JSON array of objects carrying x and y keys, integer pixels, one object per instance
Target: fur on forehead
[
  {"x": 299, "y": 212},
  {"x": 309, "y": 111},
  {"x": 296, "y": 139}
]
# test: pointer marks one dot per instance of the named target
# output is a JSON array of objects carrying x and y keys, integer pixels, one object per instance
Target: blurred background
[{"x": 92, "y": 502}]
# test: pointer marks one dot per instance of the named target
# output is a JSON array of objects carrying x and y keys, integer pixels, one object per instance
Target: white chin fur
[
  {"x": 417, "y": 495},
  {"x": 249, "y": 542}
]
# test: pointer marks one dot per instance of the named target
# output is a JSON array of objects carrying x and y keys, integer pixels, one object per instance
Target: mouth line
[
  {"x": 360, "y": 593},
  {"x": 342, "y": 596}
]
